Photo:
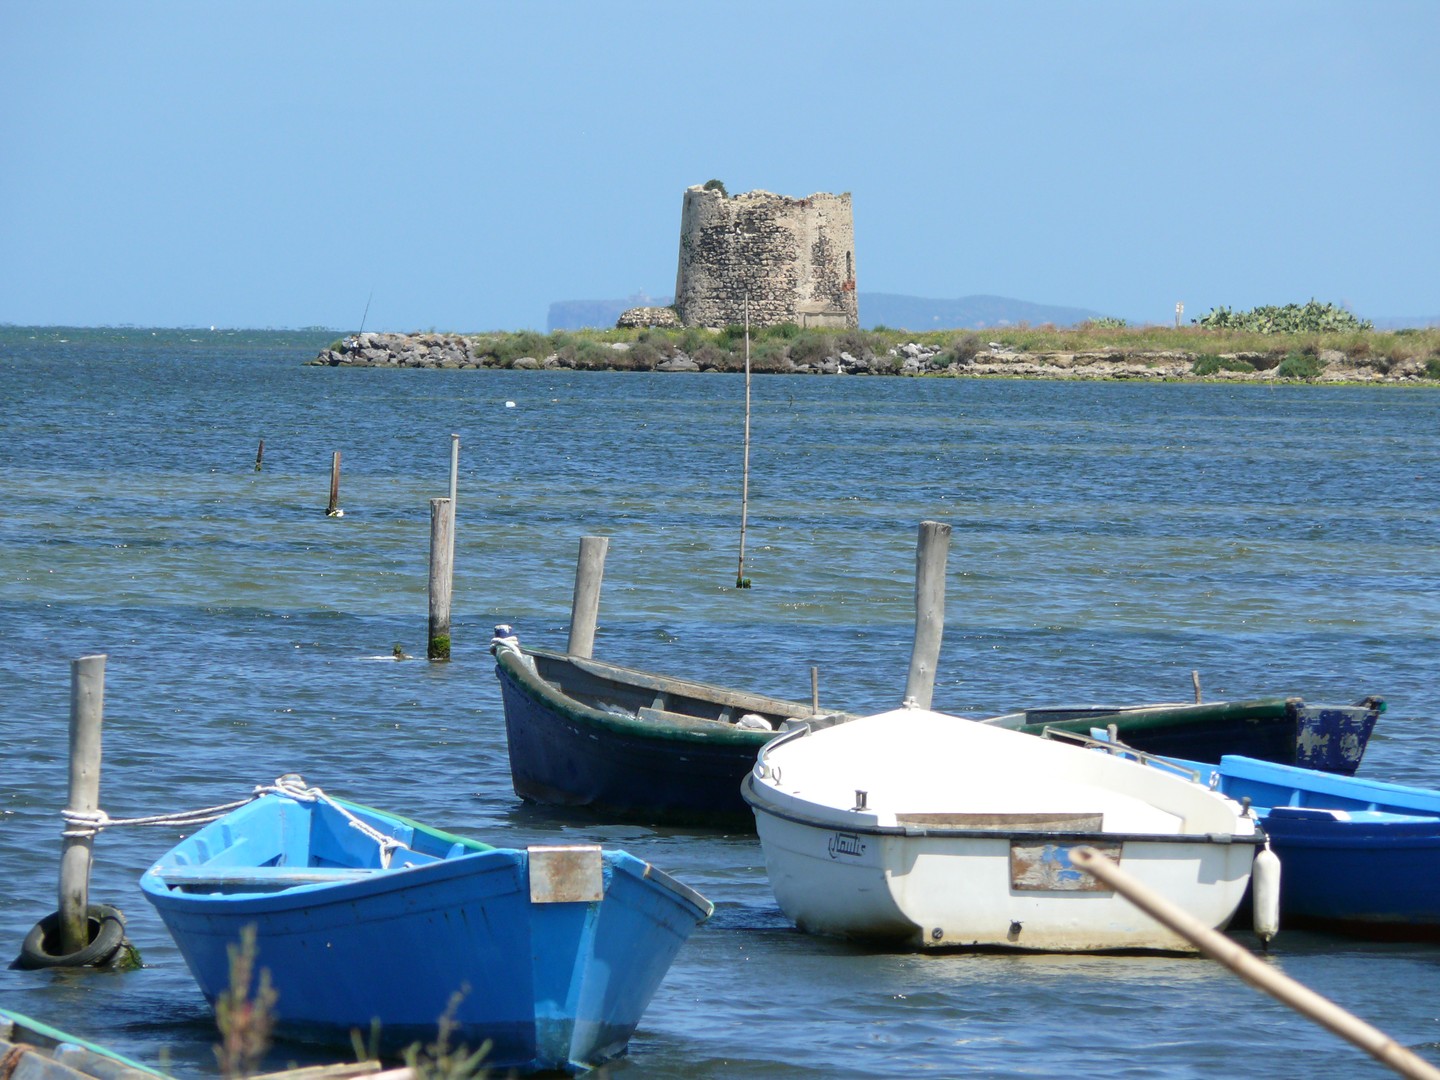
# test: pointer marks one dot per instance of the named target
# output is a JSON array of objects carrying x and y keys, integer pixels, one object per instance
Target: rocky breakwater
[
  {"x": 852, "y": 355},
  {"x": 400, "y": 350}
]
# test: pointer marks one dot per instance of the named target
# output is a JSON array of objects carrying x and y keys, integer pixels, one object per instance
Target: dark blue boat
[
  {"x": 630, "y": 744},
  {"x": 637, "y": 746},
  {"x": 1288, "y": 730},
  {"x": 366, "y": 917},
  {"x": 1359, "y": 857}
]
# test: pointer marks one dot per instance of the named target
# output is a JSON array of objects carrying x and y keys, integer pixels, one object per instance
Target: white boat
[{"x": 928, "y": 831}]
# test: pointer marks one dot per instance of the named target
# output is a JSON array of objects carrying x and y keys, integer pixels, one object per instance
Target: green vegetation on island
[{"x": 1309, "y": 342}]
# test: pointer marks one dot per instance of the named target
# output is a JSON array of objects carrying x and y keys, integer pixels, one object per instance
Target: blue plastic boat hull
[
  {"x": 1360, "y": 857},
  {"x": 553, "y": 984}
]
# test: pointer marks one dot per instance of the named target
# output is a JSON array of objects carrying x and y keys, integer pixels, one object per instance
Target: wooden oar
[{"x": 1278, "y": 985}]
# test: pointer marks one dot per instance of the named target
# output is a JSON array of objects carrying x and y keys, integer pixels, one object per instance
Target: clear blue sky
[{"x": 277, "y": 164}]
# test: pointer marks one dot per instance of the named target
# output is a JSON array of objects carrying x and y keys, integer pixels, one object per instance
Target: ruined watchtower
[{"x": 794, "y": 258}]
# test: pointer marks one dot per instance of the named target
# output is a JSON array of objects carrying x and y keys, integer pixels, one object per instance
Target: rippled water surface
[{"x": 1109, "y": 539}]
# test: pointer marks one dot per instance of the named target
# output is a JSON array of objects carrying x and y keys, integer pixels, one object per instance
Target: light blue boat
[
  {"x": 1359, "y": 857},
  {"x": 365, "y": 917},
  {"x": 32, "y": 1050}
]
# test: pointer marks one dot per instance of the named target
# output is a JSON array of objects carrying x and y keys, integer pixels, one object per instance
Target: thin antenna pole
[
  {"x": 741, "y": 581},
  {"x": 367, "y": 312}
]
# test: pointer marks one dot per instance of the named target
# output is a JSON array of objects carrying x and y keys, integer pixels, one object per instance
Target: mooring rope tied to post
[{"x": 89, "y": 823}]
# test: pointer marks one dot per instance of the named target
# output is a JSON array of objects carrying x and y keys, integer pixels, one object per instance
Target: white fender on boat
[{"x": 1265, "y": 890}]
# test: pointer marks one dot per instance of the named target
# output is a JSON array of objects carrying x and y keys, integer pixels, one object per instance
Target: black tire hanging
[{"x": 107, "y": 936}]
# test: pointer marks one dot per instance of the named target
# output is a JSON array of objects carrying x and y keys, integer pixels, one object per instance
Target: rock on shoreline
[{"x": 455, "y": 351}]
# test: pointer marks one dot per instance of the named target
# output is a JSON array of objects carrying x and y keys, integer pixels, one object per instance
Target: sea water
[{"x": 1110, "y": 539}]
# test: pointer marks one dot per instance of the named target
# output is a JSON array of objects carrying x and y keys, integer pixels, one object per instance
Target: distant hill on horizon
[{"x": 876, "y": 309}]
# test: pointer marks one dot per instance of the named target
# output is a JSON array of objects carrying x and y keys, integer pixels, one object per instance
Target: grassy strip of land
[{"x": 789, "y": 348}]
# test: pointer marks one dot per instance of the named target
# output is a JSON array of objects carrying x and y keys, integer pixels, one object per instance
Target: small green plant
[
  {"x": 1106, "y": 322},
  {"x": 1208, "y": 364},
  {"x": 1432, "y": 367},
  {"x": 441, "y": 1061},
  {"x": 812, "y": 347},
  {"x": 962, "y": 349},
  {"x": 770, "y": 356},
  {"x": 1313, "y": 317},
  {"x": 716, "y": 185},
  {"x": 245, "y": 1022},
  {"x": 1299, "y": 365},
  {"x": 525, "y": 343}
]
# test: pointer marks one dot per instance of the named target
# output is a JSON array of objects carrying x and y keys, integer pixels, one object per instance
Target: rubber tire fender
[{"x": 107, "y": 935}]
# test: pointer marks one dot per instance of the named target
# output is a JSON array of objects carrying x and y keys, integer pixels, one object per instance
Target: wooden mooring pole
[
  {"x": 442, "y": 550},
  {"x": 260, "y": 456},
  {"x": 87, "y": 707},
  {"x": 930, "y": 557},
  {"x": 585, "y": 605},
  {"x": 333, "y": 510},
  {"x": 1256, "y": 972}
]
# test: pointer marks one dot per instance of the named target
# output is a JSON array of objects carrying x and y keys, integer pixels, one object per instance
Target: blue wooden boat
[
  {"x": 1359, "y": 857},
  {"x": 363, "y": 917},
  {"x": 37, "y": 1051}
]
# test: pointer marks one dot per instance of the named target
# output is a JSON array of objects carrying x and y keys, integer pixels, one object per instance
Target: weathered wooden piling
[
  {"x": 585, "y": 605},
  {"x": 1195, "y": 678},
  {"x": 930, "y": 556},
  {"x": 87, "y": 707},
  {"x": 333, "y": 510},
  {"x": 442, "y": 550},
  {"x": 260, "y": 456}
]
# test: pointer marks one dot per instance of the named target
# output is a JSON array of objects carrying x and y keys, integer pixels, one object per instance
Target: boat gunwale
[
  {"x": 547, "y": 694},
  {"x": 1144, "y": 718},
  {"x": 759, "y": 804},
  {"x": 362, "y": 882}
]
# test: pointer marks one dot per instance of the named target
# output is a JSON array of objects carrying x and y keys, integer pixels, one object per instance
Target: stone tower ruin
[{"x": 794, "y": 258}]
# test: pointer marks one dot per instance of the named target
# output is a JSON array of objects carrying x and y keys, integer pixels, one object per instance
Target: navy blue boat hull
[
  {"x": 563, "y": 760},
  {"x": 1357, "y": 856}
]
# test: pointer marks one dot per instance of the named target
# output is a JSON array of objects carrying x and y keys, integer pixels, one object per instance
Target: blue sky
[{"x": 459, "y": 166}]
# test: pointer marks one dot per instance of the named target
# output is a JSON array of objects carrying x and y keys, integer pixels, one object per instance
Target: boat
[
  {"x": 1330, "y": 738},
  {"x": 920, "y": 830},
  {"x": 37, "y": 1051},
  {"x": 640, "y": 746},
  {"x": 1357, "y": 856},
  {"x": 630, "y": 744},
  {"x": 550, "y": 953}
]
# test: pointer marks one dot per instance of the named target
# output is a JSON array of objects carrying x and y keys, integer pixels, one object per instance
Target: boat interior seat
[
  {"x": 270, "y": 877},
  {"x": 682, "y": 720}
]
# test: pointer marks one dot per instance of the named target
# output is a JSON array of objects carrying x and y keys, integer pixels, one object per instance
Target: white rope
[
  {"x": 88, "y": 823},
  {"x": 293, "y": 787},
  {"x": 83, "y": 824}
]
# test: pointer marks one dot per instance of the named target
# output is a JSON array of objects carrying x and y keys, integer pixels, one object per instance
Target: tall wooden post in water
[
  {"x": 442, "y": 527},
  {"x": 930, "y": 558},
  {"x": 333, "y": 510},
  {"x": 87, "y": 707},
  {"x": 585, "y": 606}
]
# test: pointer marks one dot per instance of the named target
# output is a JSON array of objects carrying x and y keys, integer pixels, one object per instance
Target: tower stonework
[{"x": 793, "y": 258}]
